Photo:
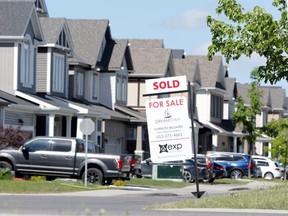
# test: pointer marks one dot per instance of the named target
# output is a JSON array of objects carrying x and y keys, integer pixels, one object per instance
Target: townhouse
[{"x": 56, "y": 71}]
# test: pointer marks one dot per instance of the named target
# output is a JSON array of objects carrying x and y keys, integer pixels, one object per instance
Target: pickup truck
[{"x": 55, "y": 157}]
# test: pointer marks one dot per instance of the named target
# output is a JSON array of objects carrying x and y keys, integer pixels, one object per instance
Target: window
[
  {"x": 216, "y": 106},
  {"x": 92, "y": 148},
  {"x": 58, "y": 72},
  {"x": 61, "y": 146},
  {"x": 95, "y": 86},
  {"x": 80, "y": 84},
  {"x": 27, "y": 62},
  {"x": 121, "y": 88},
  {"x": 38, "y": 145}
]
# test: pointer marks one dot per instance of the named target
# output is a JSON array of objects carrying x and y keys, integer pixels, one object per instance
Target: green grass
[
  {"x": 270, "y": 198},
  {"x": 157, "y": 183},
  {"x": 8, "y": 186}
]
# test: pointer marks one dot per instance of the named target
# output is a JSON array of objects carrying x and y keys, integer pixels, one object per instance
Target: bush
[
  {"x": 38, "y": 178},
  {"x": 12, "y": 137},
  {"x": 5, "y": 175}
]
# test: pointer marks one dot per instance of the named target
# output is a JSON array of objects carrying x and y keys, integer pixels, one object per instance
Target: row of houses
[{"x": 55, "y": 72}]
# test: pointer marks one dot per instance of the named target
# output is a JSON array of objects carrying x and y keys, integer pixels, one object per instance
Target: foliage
[
  {"x": 38, "y": 178},
  {"x": 252, "y": 32},
  {"x": 12, "y": 137},
  {"x": 5, "y": 175},
  {"x": 246, "y": 114},
  {"x": 278, "y": 129}
]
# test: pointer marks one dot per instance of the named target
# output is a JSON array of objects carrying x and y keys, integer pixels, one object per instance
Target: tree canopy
[{"x": 251, "y": 32}]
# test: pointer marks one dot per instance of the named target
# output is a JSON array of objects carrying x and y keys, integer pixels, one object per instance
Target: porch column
[
  {"x": 68, "y": 124},
  {"x": 139, "y": 151},
  {"x": 235, "y": 144},
  {"x": 269, "y": 149},
  {"x": 79, "y": 134},
  {"x": 214, "y": 142},
  {"x": 51, "y": 122}
]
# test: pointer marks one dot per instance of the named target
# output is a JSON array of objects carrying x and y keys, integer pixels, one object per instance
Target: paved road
[{"x": 125, "y": 201}]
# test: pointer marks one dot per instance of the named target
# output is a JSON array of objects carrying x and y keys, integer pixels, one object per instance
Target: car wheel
[
  {"x": 187, "y": 176},
  {"x": 236, "y": 174},
  {"x": 94, "y": 176},
  {"x": 268, "y": 176}
]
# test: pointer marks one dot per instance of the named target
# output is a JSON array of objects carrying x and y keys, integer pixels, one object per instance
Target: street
[{"x": 126, "y": 201}]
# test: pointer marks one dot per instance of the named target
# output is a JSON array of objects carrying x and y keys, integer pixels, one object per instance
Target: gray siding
[
  {"x": 41, "y": 83},
  {"x": 12, "y": 118},
  {"x": 7, "y": 67}
]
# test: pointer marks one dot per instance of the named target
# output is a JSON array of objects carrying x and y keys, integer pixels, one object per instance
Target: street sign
[{"x": 87, "y": 126}]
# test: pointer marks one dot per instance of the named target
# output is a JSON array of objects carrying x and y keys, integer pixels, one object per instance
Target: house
[
  {"x": 150, "y": 60},
  {"x": 20, "y": 34}
]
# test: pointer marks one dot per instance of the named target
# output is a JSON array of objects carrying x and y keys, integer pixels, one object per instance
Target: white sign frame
[{"x": 169, "y": 128}]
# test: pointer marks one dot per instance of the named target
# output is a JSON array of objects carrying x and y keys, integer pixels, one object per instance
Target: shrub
[
  {"x": 119, "y": 182},
  {"x": 5, "y": 175},
  {"x": 12, "y": 137},
  {"x": 38, "y": 178}
]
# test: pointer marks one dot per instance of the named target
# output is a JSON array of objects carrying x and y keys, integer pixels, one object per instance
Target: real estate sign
[{"x": 169, "y": 128}]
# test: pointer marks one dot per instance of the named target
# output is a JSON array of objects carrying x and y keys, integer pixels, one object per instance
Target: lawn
[{"x": 274, "y": 197}]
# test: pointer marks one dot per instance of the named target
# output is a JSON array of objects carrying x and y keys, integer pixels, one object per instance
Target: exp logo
[{"x": 171, "y": 147}]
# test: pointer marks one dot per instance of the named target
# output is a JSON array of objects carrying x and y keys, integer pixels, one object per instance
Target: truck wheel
[
  {"x": 5, "y": 166},
  {"x": 94, "y": 176}
]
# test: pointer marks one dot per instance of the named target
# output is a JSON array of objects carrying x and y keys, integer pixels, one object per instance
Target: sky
[{"x": 180, "y": 24}]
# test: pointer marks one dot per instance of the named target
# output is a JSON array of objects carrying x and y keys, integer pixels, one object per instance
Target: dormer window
[
  {"x": 58, "y": 73},
  {"x": 27, "y": 60},
  {"x": 101, "y": 51}
]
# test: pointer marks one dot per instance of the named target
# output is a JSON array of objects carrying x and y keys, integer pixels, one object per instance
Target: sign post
[{"x": 86, "y": 127}]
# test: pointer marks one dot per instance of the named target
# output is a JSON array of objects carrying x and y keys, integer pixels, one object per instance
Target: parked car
[
  {"x": 270, "y": 169},
  {"x": 54, "y": 157},
  {"x": 186, "y": 169},
  {"x": 237, "y": 164}
]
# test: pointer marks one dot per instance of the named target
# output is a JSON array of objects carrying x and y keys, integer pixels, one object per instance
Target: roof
[
  {"x": 150, "y": 61},
  {"x": 146, "y": 43},
  {"x": 226, "y": 127},
  {"x": 186, "y": 67},
  {"x": 230, "y": 86},
  {"x": 52, "y": 28},
  {"x": 265, "y": 99},
  {"x": 11, "y": 100},
  {"x": 135, "y": 116},
  {"x": 242, "y": 90},
  {"x": 115, "y": 52},
  {"x": 15, "y": 17},
  {"x": 211, "y": 72},
  {"x": 87, "y": 36},
  {"x": 278, "y": 98}
]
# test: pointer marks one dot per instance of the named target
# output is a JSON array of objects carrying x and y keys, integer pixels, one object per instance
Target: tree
[
  {"x": 252, "y": 32},
  {"x": 278, "y": 130},
  {"x": 246, "y": 115},
  {"x": 12, "y": 137}
]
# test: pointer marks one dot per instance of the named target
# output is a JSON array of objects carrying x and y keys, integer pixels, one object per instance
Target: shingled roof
[
  {"x": 242, "y": 90},
  {"x": 279, "y": 98},
  {"x": 265, "y": 99},
  {"x": 87, "y": 37},
  {"x": 14, "y": 19},
  {"x": 230, "y": 86},
  {"x": 146, "y": 43},
  {"x": 211, "y": 72},
  {"x": 187, "y": 67},
  {"x": 150, "y": 61}
]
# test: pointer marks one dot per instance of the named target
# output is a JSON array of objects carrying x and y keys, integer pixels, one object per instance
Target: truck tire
[
  {"x": 5, "y": 166},
  {"x": 94, "y": 176}
]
